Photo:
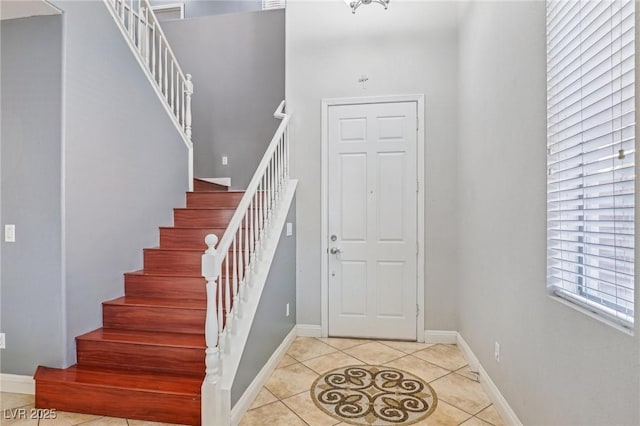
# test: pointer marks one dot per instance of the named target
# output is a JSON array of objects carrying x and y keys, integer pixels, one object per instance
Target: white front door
[{"x": 372, "y": 226}]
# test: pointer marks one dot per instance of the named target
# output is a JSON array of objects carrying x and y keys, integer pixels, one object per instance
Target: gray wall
[
  {"x": 558, "y": 366},
  {"x": 31, "y": 282},
  {"x": 86, "y": 207},
  {"x": 237, "y": 63},
  {"x": 270, "y": 325},
  {"x": 125, "y": 166},
  {"x": 197, "y": 8},
  {"x": 410, "y": 48}
]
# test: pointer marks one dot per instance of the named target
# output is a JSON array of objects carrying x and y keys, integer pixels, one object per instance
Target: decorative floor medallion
[{"x": 373, "y": 395}]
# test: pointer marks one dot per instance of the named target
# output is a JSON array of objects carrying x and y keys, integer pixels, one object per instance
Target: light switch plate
[{"x": 10, "y": 233}]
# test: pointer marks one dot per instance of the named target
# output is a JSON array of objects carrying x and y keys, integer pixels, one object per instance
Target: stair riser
[
  {"x": 187, "y": 237},
  {"x": 213, "y": 199},
  {"x": 174, "y": 320},
  {"x": 218, "y": 218},
  {"x": 177, "y": 288},
  {"x": 115, "y": 402},
  {"x": 199, "y": 185},
  {"x": 150, "y": 358},
  {"x": 177, "y": 261}
]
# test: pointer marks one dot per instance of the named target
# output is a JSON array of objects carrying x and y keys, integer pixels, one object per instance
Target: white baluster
[
  {"x": 131, "y": 33},
  {"x": 182, "y": 94},
  {"x": 286, "y": 153},
  {"x": 153, "y": 51},
  {"x": 146, "y": 38},
  {"x": 211, "y": 272},
  {"x": 172, "y": 98},
  {"x": 236, "y": 279},
  {"x": 166, "y": 74},
  {"x": 139, "y": 23},
  {"x": 228, "y": 296},
  {"x": 246, "y": 250},
  {"x": 188, "y": 92}
]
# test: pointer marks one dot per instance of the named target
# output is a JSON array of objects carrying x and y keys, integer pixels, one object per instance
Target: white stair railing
[
  {"x": 231, "y": 267},
  {"x": 141, "y": 28}
]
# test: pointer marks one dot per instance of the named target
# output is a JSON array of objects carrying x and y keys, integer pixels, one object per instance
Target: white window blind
[
  {"x": 590, "y": 155},
  {"x": 273, "y": 4}
]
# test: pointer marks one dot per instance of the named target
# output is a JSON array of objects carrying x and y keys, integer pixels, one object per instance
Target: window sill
[{"x": 591, "y": 314}]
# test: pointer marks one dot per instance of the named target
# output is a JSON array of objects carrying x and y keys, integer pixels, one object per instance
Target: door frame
[{"x": 324, "y": 184}]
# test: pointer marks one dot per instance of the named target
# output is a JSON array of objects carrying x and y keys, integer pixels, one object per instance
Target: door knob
[{"x": 335, "y": 250}]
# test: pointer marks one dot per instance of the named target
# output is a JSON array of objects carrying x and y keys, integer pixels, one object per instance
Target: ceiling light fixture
[{"x": 357, "y": 3}]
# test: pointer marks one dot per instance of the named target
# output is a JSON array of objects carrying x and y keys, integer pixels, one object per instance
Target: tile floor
[{"x": 285, "y": 399}]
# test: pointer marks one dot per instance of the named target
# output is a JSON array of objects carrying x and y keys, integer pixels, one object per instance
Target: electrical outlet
[
  {"x": 10, "y": 233},
  {"x": 225, "y": 160},
  {"x": 287, "y": 309},
  {"x": 289, "y": 229},
  {"x": 496, "y": 351},
  {"x": 2, "y": 341}
]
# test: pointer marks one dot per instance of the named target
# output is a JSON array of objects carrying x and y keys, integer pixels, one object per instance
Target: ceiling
[{"x": 11, "y": 9}]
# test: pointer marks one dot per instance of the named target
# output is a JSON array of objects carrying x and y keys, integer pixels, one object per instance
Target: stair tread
[
  {"x": 123, "y": 379},
  {"x": 144, "y": 273},
  {"x": 158, "y": 302},
  {"x": 155, "y": 338}
]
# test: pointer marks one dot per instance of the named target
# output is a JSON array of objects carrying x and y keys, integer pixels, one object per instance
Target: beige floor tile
[
  {"x": 18, "y": 416},
  {"x": 324, "y": 363},
  {"x": 64, "y": 418},
  {"x": 491, "y": 415},
  {"x": 444, "y": 415},
  {"x": 374, "y": 353},
  {"x": 106, "y": 421},
  {"x": 286, "y": 361},
  {"x": 466, "y": 372},
  {"x": 307, "y": 347},
  {"x": 423, "y": 369},
  {"x": 275, "y": 413},
  {"x": 461, "y": 392},
  {"x": 406, "y": 347},
  {"x": 288, "y": 381},
  {"x": 264, "y": 397},
  {"x": 304, "y": 407},
  {"x": 343, "y": 343},
  {"x": 474, "y": 421},
  {"x": 13, "y": 400},
  {"x": 446, "y": 356}
]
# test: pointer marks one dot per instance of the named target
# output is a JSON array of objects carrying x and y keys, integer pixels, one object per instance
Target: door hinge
[
  {"x": 417, "y": 247},
  {"x": 417, "y": 309},
  {"x": 417, "y": 186},
  {"x": 417, "y": 123}
]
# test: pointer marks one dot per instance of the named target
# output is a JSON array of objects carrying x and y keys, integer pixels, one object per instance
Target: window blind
[
  {"x": 273, "y": 4},
  {"x": 590, "y": 154}
]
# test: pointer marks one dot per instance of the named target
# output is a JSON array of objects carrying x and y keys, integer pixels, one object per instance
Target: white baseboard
[
  {"x": 499, "y": 402},
  {"x": 440, "y": 336},
  {"x": 245, "y": 401},
  {"x": 309, "y": 330},
  {"x": 17, "y": 384}
]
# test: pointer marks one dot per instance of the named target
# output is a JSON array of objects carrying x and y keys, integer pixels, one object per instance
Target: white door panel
[{"x": 372, "y": 217}]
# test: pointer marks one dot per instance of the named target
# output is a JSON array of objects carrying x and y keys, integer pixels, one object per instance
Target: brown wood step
[
  {"x": 187, "y": 237},
  {"x": 203, "y": 185},
  {"x": 229, "y": 199},
  {"x": 187, "y": 262},
  {"x": 147, "y": 314},
  {"x": 144, "y": 284},
  {"x": 201, "y": 218},
  {"x": 157, "y": 397},
  {"x": 178, "y": 353}
]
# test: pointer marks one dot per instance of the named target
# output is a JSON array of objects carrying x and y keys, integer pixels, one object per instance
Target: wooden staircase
[{"x": 147, "y": 362}]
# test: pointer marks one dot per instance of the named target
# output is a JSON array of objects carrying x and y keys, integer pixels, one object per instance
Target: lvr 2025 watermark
[{"x": 29, "y": 413}]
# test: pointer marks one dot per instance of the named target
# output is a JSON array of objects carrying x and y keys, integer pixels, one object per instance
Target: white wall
[
  {"x": 410, "y": 48},
  {"x": 558, "y": 366}
]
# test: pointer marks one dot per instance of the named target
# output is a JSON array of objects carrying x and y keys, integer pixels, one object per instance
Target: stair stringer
[{"x": 216, "y": 398}]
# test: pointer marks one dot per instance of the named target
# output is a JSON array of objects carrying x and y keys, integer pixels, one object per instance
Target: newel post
[
  {"x": 187, "y": 116},
  {"x": 211, "y": 272}
]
